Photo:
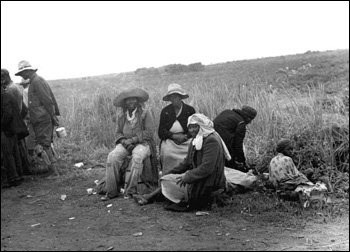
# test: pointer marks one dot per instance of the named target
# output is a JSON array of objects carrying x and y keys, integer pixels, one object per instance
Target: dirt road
[{"x": 34, "y": 217}]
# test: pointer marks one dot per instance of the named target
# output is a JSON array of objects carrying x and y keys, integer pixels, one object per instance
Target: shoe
[
  {"x": 127, "y": 196},
  {"x": 105, "y": 198},
  {"x": 53, "y": 176},
  {"x": 140, "y": 200},
  {"x": 178, "y": 207}
]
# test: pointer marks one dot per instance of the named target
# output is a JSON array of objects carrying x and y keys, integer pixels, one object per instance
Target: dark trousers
[{"x": 11, "y": 157}]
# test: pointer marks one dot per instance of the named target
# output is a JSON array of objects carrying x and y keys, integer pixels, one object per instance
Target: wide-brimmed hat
[
  {"x": 141, "y": 94},
  {"x": 175, "y": 89},
  {"x": 24, "y": 65}
]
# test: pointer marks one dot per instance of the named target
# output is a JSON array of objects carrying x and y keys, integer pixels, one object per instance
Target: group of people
[
  {"x": 193, "y": 149},
  {"x": 28, "y": 120}
]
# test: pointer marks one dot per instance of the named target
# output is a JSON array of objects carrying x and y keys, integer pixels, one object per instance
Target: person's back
[{"x": 15, "y": 90}]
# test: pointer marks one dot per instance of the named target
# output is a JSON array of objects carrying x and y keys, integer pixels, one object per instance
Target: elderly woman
[
  {"x": 190, "y": 184},
  {"x": 134, "y": 137},
  {"x": 172, "y": 130},
  {"x": 282, "y": 171}
]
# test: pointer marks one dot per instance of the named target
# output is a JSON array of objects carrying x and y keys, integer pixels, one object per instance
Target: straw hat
[
  {"x": 141, "y": 94},
  {"x": 24, "y": 65},
  {"x": 175, "y": 89}
]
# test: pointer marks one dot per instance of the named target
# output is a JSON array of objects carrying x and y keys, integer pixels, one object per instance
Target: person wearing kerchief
[
  {"x": 231, "y": 125},
  {"x": 134, "y": 137},
  {"x": 283, "y": 173},
  {"x": 190, "y": 184},
  {"x": 172, "y": 131}
]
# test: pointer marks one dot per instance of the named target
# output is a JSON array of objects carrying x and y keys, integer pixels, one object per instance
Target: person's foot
[
  {"x": 105, "y": 198},
  {"x": 140, "y": 200},
  {"x": 52, "y": 177},
  {"x": 178, "y": 207},
  {"x": 127, "y": 196}
]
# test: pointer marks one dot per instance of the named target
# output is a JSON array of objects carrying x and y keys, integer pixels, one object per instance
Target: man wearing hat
[
  {"x": 43, "y": 111},
  {"x": 134, "y": 137},
  {"x": 231, "y": 125},
  {"x": 173, "y": 131}
]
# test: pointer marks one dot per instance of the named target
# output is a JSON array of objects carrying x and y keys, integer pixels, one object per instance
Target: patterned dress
[{"x": 283, "y": 173}]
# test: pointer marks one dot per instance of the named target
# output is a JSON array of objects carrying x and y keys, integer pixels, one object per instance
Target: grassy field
[{"x": 303, "y": 97}]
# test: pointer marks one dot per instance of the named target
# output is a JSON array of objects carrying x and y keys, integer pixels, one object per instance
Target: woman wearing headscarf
[
  {"x": 190, "y": 184},
  {"x": 283, "y": 173},
  {"x": 231, "y": 125},
  {"x": 173, "y": 131},
  {"x": 134, "y": 137}
]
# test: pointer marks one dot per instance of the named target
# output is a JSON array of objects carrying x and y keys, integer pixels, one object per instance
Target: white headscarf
[{"x": 206, "y": 127}]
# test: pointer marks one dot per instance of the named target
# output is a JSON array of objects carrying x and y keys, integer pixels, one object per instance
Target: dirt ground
[{"x": 34, "y": 217}]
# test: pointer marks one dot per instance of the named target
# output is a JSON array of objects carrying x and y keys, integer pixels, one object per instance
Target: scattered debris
[
  {"x": 79, "y": 165},
  {"x": 72, "y": 218},
  {"x": 89, "y": 190},
  {"x": 109, "y": 205},
  {"x": 63, "y": 197},
  {"x": 34, "y": 225},
  {"x": 138, "y": 234},
  {"x": 199, "y": 213},
  {"x": 110, "y": 248}
]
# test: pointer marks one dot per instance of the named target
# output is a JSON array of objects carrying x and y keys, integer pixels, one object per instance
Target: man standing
[
  {"x": 231, "y": 126},
  {"x": 43, "y": 111}
]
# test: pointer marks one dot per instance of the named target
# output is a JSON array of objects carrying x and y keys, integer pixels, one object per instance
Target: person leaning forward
[
  {"x": 231, "y": 126},
  {"x": 134, "y": 137},
  {"x": 43, "y": 112}
]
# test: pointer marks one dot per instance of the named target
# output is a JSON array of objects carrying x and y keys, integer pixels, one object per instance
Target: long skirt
[{"x": 173, "y": 191}]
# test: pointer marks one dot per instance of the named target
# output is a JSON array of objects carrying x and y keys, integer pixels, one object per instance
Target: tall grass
[{"x": 316, "y": 122}]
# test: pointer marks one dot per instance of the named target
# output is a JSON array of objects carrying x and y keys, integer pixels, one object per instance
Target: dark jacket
[
  {"x": 205, "y": 170},
  {"x": 41, "y": 101},
  {"x": 231, "y": 126},
  {"x": 11, "y": 119},
  {"x": 168, "y": 117}
]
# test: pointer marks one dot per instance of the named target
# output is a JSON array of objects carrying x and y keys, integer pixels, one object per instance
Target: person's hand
[
  {"x": 180, "y": 181},
  {"x": 128, "y": 142},
  {"x": 55, "y": 121},
  {"x": 179, "y": 138},
  {"x": 239, "y": 166}
]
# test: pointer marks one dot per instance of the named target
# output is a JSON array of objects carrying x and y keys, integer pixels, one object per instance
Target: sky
[{"x": 77, "y": 39}]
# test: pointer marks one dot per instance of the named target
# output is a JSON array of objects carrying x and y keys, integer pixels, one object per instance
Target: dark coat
[
  {"x": 231, "y": 126},
  {"x": 168, "y": 117},
  {"x": 11, "y": 119},
  {"x": 205, "y": 170}
]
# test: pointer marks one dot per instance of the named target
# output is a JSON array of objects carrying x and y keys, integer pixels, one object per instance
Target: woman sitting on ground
[
  {"x": 283, "y": 173},
  {"x": 173, "y": 131},
  {"x": 134, "y": 136},
  {"x": 190, "y": 184}
]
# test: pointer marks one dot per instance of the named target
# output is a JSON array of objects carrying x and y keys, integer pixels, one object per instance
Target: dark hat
[
  {"x": 249, "y": 111},
  {"x": 141, "y": 94},
  {"x": 4, "y": 72},
  {"x": 282, "y": 144}
]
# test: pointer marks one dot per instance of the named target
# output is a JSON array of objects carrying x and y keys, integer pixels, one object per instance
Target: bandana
[
  {"x": 206, "y": 127},
  {"x": 132, "y": 120}
]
